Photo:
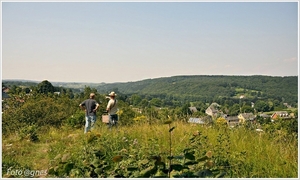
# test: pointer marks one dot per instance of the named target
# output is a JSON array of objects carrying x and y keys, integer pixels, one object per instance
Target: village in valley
[{"x": 214, "y": 112}]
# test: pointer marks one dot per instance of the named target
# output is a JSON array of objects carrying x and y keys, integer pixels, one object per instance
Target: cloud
[{"x": 293, "y": 59}]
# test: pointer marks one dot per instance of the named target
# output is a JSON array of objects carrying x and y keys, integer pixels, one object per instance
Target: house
[
  {"x": 196, "y": 120},
  {"x": 137, "y": 109},
  {"x": 243, "y": 117},
  {"x": 213, "y": 110},
  {"x": 287, "y": 105},
  {"x": 280, "y": 114},
  {"x": 58, "y": 93},
  {"x": 202, "y": 120},
  {"x": 232, "y": 121},
  {"x": 5, "y": 89},
  {"x": 265, "y": 116},
  {"x": 5, "y": 95}
]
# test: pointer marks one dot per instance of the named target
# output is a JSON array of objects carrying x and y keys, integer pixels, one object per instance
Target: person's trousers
[
  {"x": 113, "y": 120},
  {"x": 89, "y": 123}
]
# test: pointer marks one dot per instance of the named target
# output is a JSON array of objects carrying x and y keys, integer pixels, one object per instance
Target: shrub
[
  {"x": 76, "y": 120},
  {"x": 29, "y": 133}
]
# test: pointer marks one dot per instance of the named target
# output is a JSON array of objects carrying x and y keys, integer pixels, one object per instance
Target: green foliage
[
  {"x": 211, "y": 88},
  {"x": 221, "y": 122},
  {"x": 77, "y": 120},
  {"x": 84, "y": 163},
  {"x": 261, "y": 106},
  {"x": 135, "y": 99},
  {"x": 142, "y": 151},
  {"x": 40, "y": 110},
  {"x": 247, "y": 109},
  {"x": 29, "y": 133},
  {"x": 183, "y": 166},
  {"x": 234, "y": 110},
  {"x": 126, "y": 116},
  {"x": 286, "y": 127},
  {"x": 156, "y": 102},
  {"x": 45, "y": 87},
  {"x": 164, "y": 146}
]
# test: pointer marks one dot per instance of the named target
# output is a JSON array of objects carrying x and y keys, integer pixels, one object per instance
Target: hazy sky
[{"x": 130, "y": 41}]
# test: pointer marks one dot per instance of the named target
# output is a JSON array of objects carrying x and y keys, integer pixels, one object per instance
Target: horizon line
[{"x": 28, "y": 80}]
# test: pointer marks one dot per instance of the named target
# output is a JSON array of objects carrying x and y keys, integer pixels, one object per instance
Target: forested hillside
[
  {"x": 203, "y": 88},
  {"x": 210, "y": 88}
]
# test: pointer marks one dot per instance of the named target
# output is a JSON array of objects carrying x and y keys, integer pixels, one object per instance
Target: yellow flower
[{"x": 209, "y": 154}]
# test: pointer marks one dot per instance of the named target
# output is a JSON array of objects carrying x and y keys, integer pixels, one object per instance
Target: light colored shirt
[{"x": 112, "y": 106}]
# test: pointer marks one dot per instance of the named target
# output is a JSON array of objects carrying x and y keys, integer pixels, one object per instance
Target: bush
[
  {"x": 29, "y": 133},
  {"x": 40, "y": 110},
  {"x": 76, "y": 120}
]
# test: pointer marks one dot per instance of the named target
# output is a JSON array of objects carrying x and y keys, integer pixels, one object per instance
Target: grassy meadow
[{"x": 171, "y": 149}]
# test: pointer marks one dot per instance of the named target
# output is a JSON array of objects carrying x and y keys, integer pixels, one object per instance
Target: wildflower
[
  {"x": 135, "y": 141},
  {"x": 196, "y": 133},
  {"x": 209, "y": 154}
]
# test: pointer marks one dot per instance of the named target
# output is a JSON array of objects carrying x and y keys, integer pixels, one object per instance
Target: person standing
[
  {"x": 90, "y": 107},
  {"x": 112, "y": 108}
]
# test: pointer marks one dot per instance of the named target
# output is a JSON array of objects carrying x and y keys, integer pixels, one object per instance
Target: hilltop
[
  {"x": 200, "y": 87},
  {"x": 203, "y": 88}
]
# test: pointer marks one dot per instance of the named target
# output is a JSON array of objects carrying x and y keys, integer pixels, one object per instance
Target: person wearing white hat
[{"x": 112, "y": 108}]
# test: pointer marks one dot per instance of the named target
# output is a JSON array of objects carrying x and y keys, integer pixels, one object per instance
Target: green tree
[
  {"x": 261, "y": 106},
  {"x": 26, "y": 90},
  {"x": 88, "y": 90},
  {"x": 151, "y": 113},
  {"x": 144, "y": 103},
  {"x": 155, "y": 102},
  {"x": 247, "y": 109},
  {"x": 234, "y": 110},
  {"x": 185, "y": 110},
  {"x": 126, "y": 116},
  {"x": 45, "y": 87},
  {"x": 135, "y": 99},
  {"x": 40, "y": 110},
  {"x": 13, "y": 89}
]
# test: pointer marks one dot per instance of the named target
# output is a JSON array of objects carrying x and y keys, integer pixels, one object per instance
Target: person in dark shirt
[{"x": 90, "y": 107}]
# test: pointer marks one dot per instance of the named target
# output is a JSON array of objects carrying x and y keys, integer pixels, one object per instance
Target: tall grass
[{"x": 240, "y": 152}]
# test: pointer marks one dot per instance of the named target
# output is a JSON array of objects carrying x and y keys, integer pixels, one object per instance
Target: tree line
[
  {"x": 233, "y": 93},
  {"x": 46, "y": 105},
  {"x": 212, "y": 88}
]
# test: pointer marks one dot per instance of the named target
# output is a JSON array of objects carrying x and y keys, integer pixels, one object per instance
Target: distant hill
[
  {"x": 206, "y": 88},
  {"x": 203, "y": 88}
]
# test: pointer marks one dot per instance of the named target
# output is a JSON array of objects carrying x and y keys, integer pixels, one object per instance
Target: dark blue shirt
[{"x": 90, "y": 105}]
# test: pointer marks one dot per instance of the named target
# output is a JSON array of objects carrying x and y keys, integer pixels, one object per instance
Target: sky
[{"x": 131, "y": 41}]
